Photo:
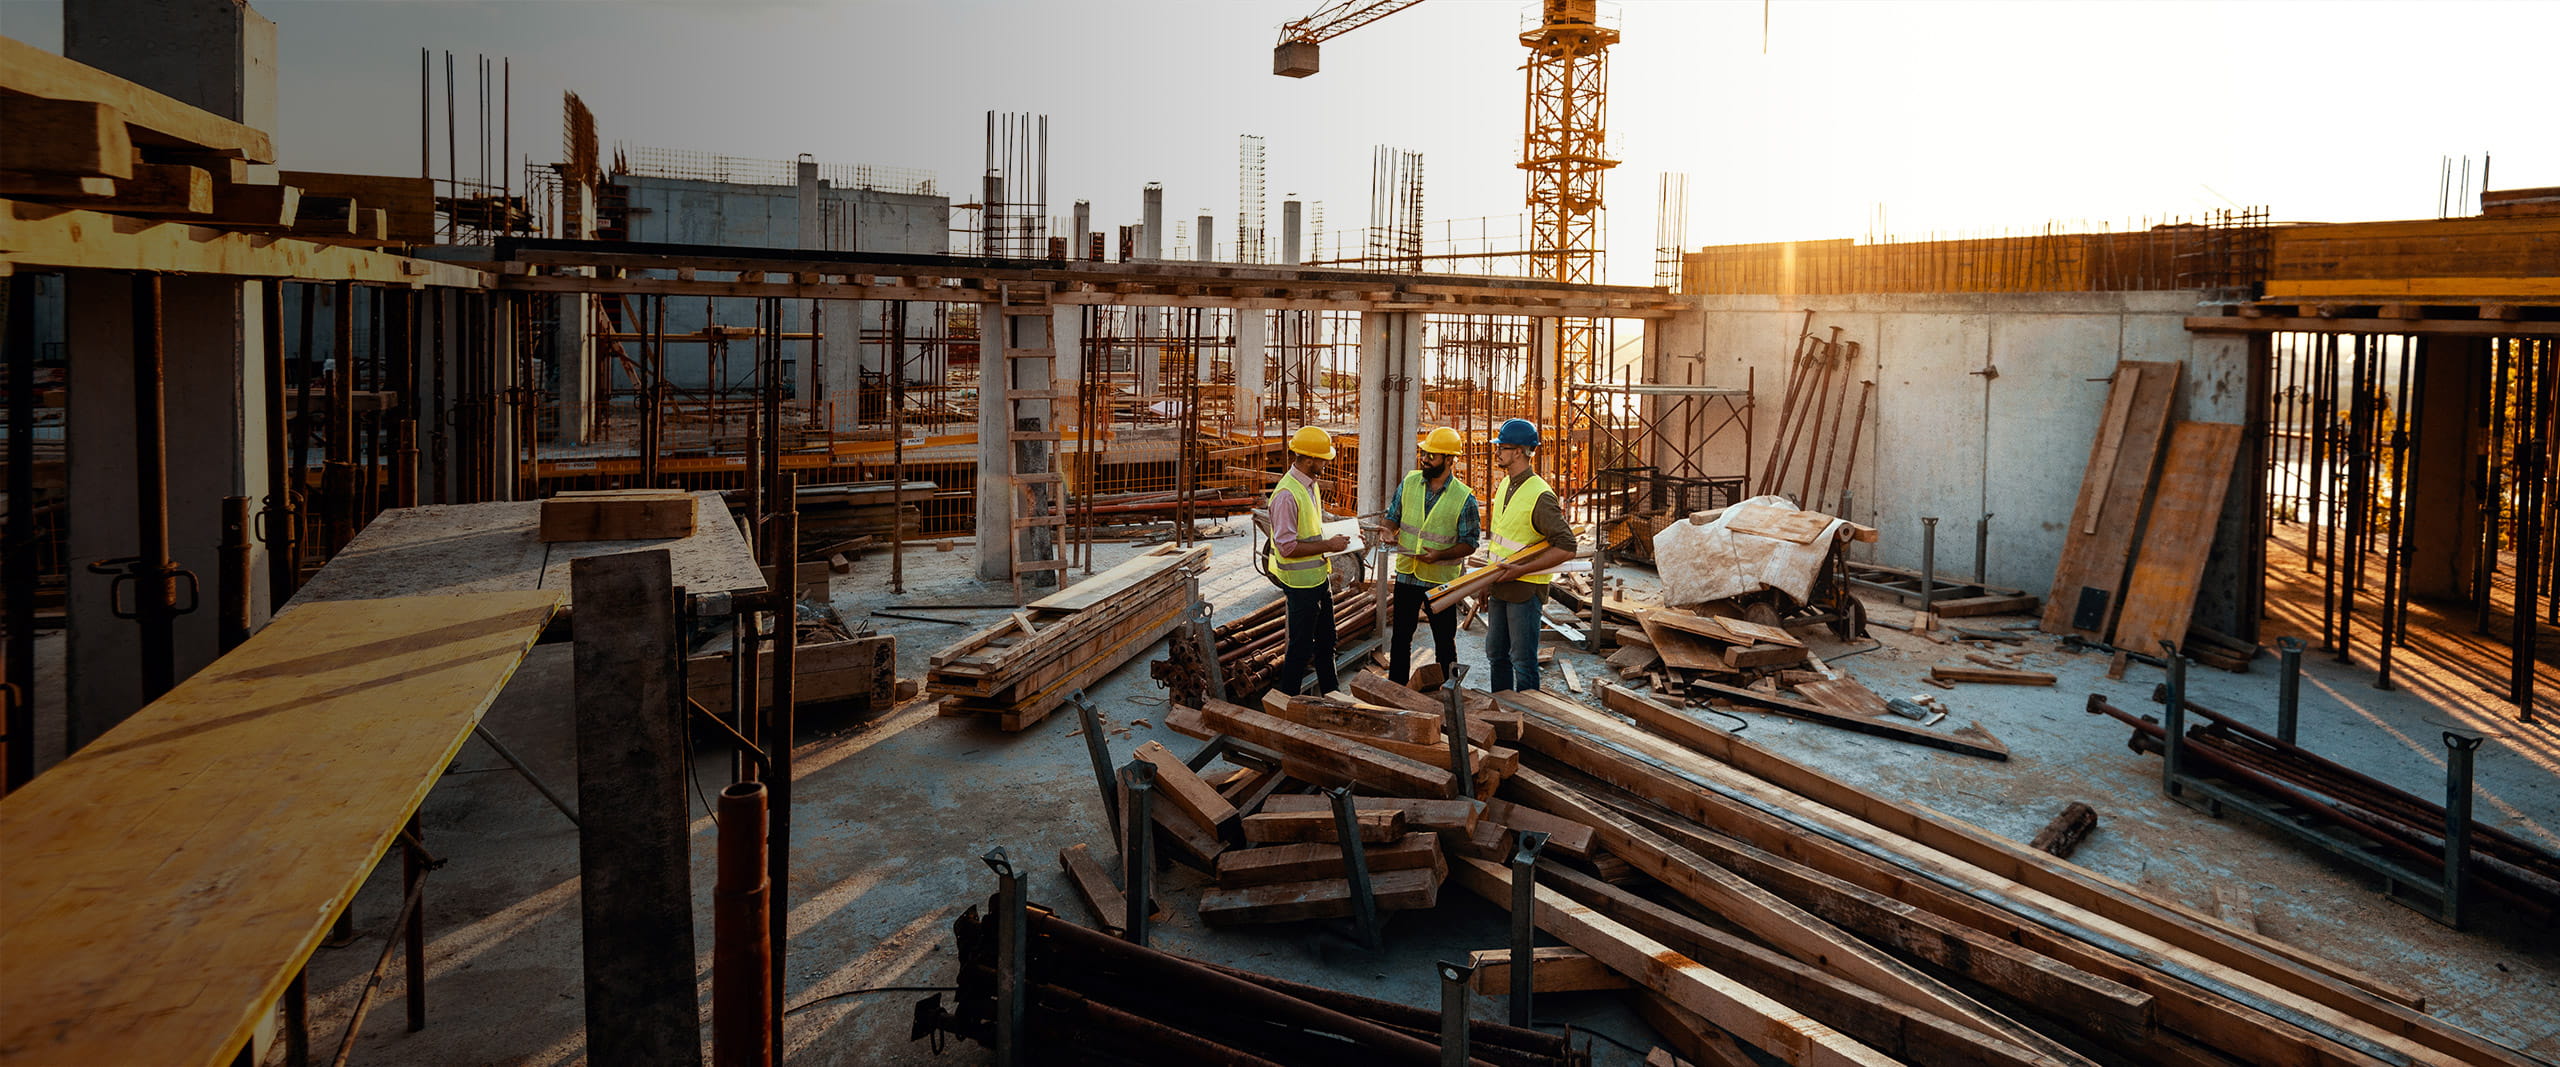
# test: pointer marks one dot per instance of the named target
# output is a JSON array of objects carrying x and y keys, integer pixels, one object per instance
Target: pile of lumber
[
  {"x": 1853, "y": 929},
  {"x": 1250, "y": 647},
  {"x": 879, "y": 510},
  {"x": 1093, "y": 998},
  {"x": 1022, "y": 668}
]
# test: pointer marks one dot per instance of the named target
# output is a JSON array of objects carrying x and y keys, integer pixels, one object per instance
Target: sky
[{"x": 1909, "y": 117}]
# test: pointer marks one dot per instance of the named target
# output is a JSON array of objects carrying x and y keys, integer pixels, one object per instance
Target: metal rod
[
  {"x": 2457, "y": 825},
  {"x": 781, "y": 722},
  {"x": 1137, "y": 849},
  {"x": 1098, "y": 750},
  {"x": 2395, "y": 591},
  {"x": 1928, "y": 562},
  {"x": 1013, "y": 954},
  {"x": 1454, "y": 980},
  {"x": 1525, "y": 845},
  {"x": 741, "y": 946},
  {"x": 1461, "y": 776},
  {"x": 373, "y": 980},
  {"x": 2174, "y": 720},
  {"x": 481, "y": 731},
  {"x": 413, "y": 925},
  {"x": 2288, "y": 687},
  {"x": 1355, "y": 865},
  {"x": 18, "y": 550},
  {"x": 232, "y": 585},
  {"x": 297, "y": 1019},
  {"x": 1982, "y": 549},
  {"x": 153, "y": 601},
  {"x": 277, "y": 517}
]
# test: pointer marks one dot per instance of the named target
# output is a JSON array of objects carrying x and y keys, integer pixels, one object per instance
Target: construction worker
[
  {"x": 1432, "y": 521},
  {"x": 1298, "y": 562},
  {"x": 1525, "y": 512}
]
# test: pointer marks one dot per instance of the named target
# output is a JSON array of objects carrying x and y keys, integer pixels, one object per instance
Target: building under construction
[{"x": 797, "y": 610}]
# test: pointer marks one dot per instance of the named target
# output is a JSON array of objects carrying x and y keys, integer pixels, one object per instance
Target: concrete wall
[
  {"x": 1943, "y": 438},
  {"x": 678, "y": 211}
]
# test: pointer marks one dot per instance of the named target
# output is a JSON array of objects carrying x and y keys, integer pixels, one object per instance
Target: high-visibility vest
[
  {"x": 1301, "y": 572},
  {"x": 1511, "y": 529},
  {"x": 1429, "y": 529}
]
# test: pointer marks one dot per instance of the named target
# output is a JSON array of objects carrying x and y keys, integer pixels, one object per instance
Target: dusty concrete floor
[{"x": 895, "y": 811}]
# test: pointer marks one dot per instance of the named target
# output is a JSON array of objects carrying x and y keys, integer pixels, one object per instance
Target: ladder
[{"x": 1039, "y": 491}]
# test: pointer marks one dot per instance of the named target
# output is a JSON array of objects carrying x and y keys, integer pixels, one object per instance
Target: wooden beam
[
  {"x": 156, "y": 118},
  {"x": 1552, "y": 969},
  {"x": 163, "y": 189},
  {"x": 1328, "y": 898},
  {"x": 1376, "y": 826},
  {"x": 1309, "y": 862},
  {"x": 1318, "y": 757},
  {"x": 48, "y": 236},
  {"x": 67, "y": 138},
  {"x": 2485, "y": 326},
  {"x": 1971, "y": 741},
  {"x": 1176, "y": 782},
  {"x": 1755, "y": 1018},
  {"x": 1110, "y": 907}
]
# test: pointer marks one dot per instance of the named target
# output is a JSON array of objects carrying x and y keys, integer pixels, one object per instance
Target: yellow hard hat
[
  {"x": 1311, "y": 441},
  {"x": 1444, "y": 440}
]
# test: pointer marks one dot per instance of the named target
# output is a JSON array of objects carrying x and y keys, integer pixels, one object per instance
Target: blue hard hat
[{"x": 1518, "y": 433}]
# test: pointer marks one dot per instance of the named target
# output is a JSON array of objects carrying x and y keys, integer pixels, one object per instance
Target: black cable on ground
[{"x": 873, "y": 989}]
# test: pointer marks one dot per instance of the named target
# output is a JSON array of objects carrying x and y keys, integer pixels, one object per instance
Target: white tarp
[{"x": 1712, "y": 561}]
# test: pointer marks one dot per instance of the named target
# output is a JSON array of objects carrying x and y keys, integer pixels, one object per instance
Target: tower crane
[{"x": 1563, "y": 147}]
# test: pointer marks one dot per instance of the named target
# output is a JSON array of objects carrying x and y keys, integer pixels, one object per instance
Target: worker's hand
[{"x": 1340, "y": 542}]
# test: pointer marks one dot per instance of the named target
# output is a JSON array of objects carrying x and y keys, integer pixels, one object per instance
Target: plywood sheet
[
  {"x": 452, "y": 549},
  {"x": 2099, "y": 541},
  {"x": 1681, "y": 650},
  {"x": 167, "y": 880},
  {"x": 2175, "y": 543}
]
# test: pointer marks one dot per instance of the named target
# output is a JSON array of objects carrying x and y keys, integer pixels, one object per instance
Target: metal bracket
[
  {"x": 129, "y": 569},
  {"x": 1206, "y": 632},
  {"x": 1099, "y": 750},
  {"x": 1013, "y": 952},
  {"x": 1461, "y": 777},
  {"x": 1524, "y": 928},
  {"x": 1355, "y": 865},
  {"x": 1137, "y": 847}
]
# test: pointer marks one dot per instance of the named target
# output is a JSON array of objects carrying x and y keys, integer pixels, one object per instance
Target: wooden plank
[
  {"x": 2110, "y": 444},
  {"x": 1795, "y": 527},
  {"x": 1844, "y": 695},
  {"x": 1971, "y": 741},
  {"x": 1990, "y": 675},
  {"x": 66, "y": 138},
  {"x": 2197, "y": 943},
  {"x": 441, "y": 550},
  {"x": 1552, "y": 969},
  {"x": 163, "y": 189},
  {"x": 1277, "y": 864},
  {"x": 1361, "y": 720},
  {"x": 159, "y": 899},
  {"x": 1755, "y": 1018},
  {"x": 635, "y": 901},
  {"x": 154, "y": 118},
  {"x": 1109, "y": 906},
  {"x": 1680, "y": 650},
  {"x": 2179, "y": 535},
  {"x": 24, "y": 186},
  {"x": 1320, "y": 758},
  {"x": 1741, "y": 657},
  {"x": 1376, "y": 689},
  {"x": 408, "y": 203},
  {"x": 1329, "y": 898},
  {"x": 617, "y": 515},
  {"x": 1420, "y": 813},
  {"x": 1376, "y": 826},
  {"x": 1118, "y": 579},
  {"x": 1564, "y": 835},
  {"x": 1176, "y": 782},
  {"x": 1700, "y": 1043},
  {"x": 1862, "y": 1013},
  {"x": 2117, "y": 480}
]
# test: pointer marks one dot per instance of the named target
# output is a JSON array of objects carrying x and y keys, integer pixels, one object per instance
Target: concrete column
[
  {"x": 1084, "y": 229},
  {"x": 1012, "y": 355},
  {"x": 840, "y": 371},
  {"x": 215, "y": 448},
  {"x": 507, "y": 438},
  {"x": 799, "y": 313},
  {"x": 1289, "y": 228},
  {"x": 1252, "y": 360},
  {"x": 1543, "y": 347},
  {"x": 1390, "y": 407},
  {"x": 573, "y": 352},
  {"x": 1151, "y": 222},
  {"x": 218, "y": 55},
  {"x": 1207, "y": 247},
  {"x": 2444, "y": 507},
  {"x": 1067, "y": 329}
]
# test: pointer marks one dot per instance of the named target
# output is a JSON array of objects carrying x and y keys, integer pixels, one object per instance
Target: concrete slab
[{"x": 897, "y": 808}]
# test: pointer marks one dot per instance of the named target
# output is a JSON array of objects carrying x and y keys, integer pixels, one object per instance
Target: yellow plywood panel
[{"x": 165, "y": 882}]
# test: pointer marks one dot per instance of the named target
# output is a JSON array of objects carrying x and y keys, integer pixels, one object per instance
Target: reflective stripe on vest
[
  {"x": 1511, "y": 529},
  {"x": 1301, "y": 572},
  {"x": 1435, "y": 530}
]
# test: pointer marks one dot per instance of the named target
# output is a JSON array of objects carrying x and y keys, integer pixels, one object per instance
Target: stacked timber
[
  {"x": 1022, "y": 668},
  {"x": 1828, "y": 895},
  {"x": 1249, "y": 648},
  {"x": 879, "y": 510}
]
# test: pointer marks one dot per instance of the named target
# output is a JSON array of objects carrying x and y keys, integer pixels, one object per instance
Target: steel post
[
  {"x": 2457, "y": 825},
  {"x": 154, "y": 602},
  {"x": 1355, "y": 865},
  {"x": 1137, "y": 846},
  {"x": 1928, "y": 561},
  {"x": 783, "y": 548},
  {"x": 2174, "y": 720},
  {"x": 1524, "y": 927},
  {"x": 233, "y": 581},
  {"x": 1089, "y": 719},
  {"x": 741, "y": 941},
  {"x": 2288, "y": 687},
  {"x": 1013, "y": 953},
  {"x": 1453, "y": 1013},
  {"x": 17, "y": 550},
  {"x": 414, "y": 864},
  {"x": 1461, "y": 778},
  {"x": 1982, "y": 549}
]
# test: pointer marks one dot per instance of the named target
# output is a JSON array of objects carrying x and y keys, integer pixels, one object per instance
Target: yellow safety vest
[
  {"x": 1429, "y": 529},
  {"x": 1510, "y": 531},
  {"x": 1301, "y": 572}
]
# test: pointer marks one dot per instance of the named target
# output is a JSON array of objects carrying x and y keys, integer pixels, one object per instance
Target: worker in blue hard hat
[
  {"x": 1298, "y": 562},
  {"x": 1528, "y": 534},
  {"x": 1431, "y": 519}
]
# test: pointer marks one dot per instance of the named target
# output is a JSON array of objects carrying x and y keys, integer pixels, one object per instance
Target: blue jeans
[{"x": 1511, "y": 644}]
